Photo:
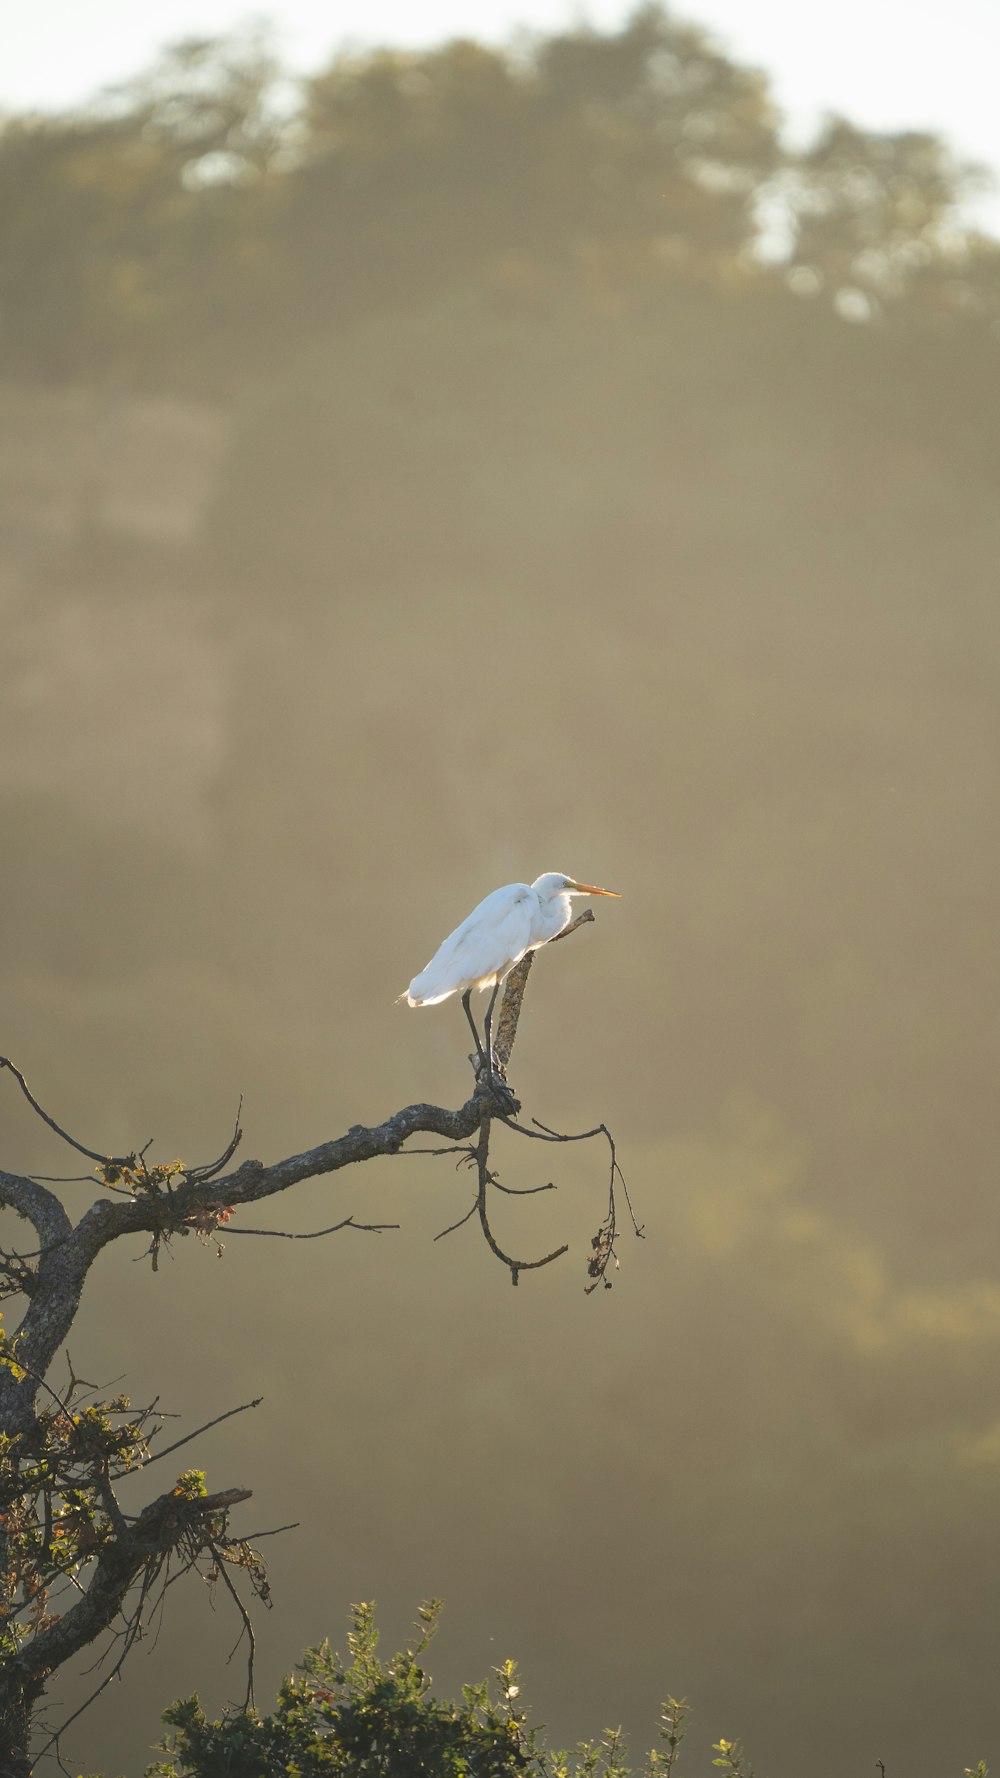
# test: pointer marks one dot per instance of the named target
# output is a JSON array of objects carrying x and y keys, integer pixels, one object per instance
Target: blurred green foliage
[
  {"x": 213, "y": 209},
  {"x": 370, "y": 1718},
  {"x": 359, "y": 1717}
]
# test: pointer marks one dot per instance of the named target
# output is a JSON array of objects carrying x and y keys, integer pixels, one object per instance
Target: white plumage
[
  {"x": 495, "y": 936},
  {"x": 478, "y": 954}
]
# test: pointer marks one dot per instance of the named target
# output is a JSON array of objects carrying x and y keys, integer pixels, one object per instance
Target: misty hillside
[{"x": 447, "y": 487}]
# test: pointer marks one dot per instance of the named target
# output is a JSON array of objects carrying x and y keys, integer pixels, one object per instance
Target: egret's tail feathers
[{"x": 422, "y": 992}]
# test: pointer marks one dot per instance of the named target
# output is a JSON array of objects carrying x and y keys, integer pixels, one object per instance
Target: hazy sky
[{"x": 887, "y": 63}]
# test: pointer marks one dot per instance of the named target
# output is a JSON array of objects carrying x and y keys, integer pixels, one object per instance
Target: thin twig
[
  {"x": 544, "y": 1134},
  {"x": 247, "y": 1629},
  {"x": 130, "y": 1635},
  {"x": 522, "y": 1191},
  {"x": 272, "y": 1531},
  {"x": 461, "y": 1221},
  {"x": 367, "y": 1228},
  {"x": 63, "y": 1178},
  {"x": 158, "y": 1455},
  {"x": 76, "y": 1382},
  {"x": 121, "y": 1161},
  {"x": 200, "y": 1174}
]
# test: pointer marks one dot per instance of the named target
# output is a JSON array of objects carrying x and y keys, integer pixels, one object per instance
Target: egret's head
[{"x": 554, "y": 882}]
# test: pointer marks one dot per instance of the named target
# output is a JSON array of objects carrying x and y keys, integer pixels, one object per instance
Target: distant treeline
[{"x": 215, "y": 210}]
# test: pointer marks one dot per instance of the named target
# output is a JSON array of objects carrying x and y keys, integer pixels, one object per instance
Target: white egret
[{"x": 497, "y": 934}]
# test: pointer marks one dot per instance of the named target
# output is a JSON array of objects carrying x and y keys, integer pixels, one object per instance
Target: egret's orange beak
[{"x": 591, "y": 889}]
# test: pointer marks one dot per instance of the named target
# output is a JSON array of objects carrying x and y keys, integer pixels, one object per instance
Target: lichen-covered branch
[{"x": 37, "y": 1205}]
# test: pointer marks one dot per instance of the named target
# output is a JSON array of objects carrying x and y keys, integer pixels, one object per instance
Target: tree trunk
[{"x": 17, "y": 1699}]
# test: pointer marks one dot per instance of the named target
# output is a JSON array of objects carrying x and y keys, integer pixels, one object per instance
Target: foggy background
[{"x": 467, "y": 464}]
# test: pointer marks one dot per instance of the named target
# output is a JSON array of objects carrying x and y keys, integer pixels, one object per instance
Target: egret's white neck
[{"x": 554, "y": 912}]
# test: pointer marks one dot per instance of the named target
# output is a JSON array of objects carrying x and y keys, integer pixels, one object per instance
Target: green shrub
[{"x": 375, "y": 1719}]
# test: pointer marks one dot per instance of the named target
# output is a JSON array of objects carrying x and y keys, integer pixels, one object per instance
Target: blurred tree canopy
[{"x": 214, "y": 208}]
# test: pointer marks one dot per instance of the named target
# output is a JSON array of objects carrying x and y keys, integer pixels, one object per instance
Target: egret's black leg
[
  {"x": 489, "y": 1029},
  {"x": 466, "y": 997}
]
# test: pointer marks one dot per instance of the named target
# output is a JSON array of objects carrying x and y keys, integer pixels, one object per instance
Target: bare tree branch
[
  {"x": 91, "y": 1153},
  {"x": 62, "y": 1526},
  {"x": 206, "y": 1427},
  {"x": 69, "y": 1252}
]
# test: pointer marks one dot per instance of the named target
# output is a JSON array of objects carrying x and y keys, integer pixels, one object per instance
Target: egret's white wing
[{"x": 488, "y": 943}]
